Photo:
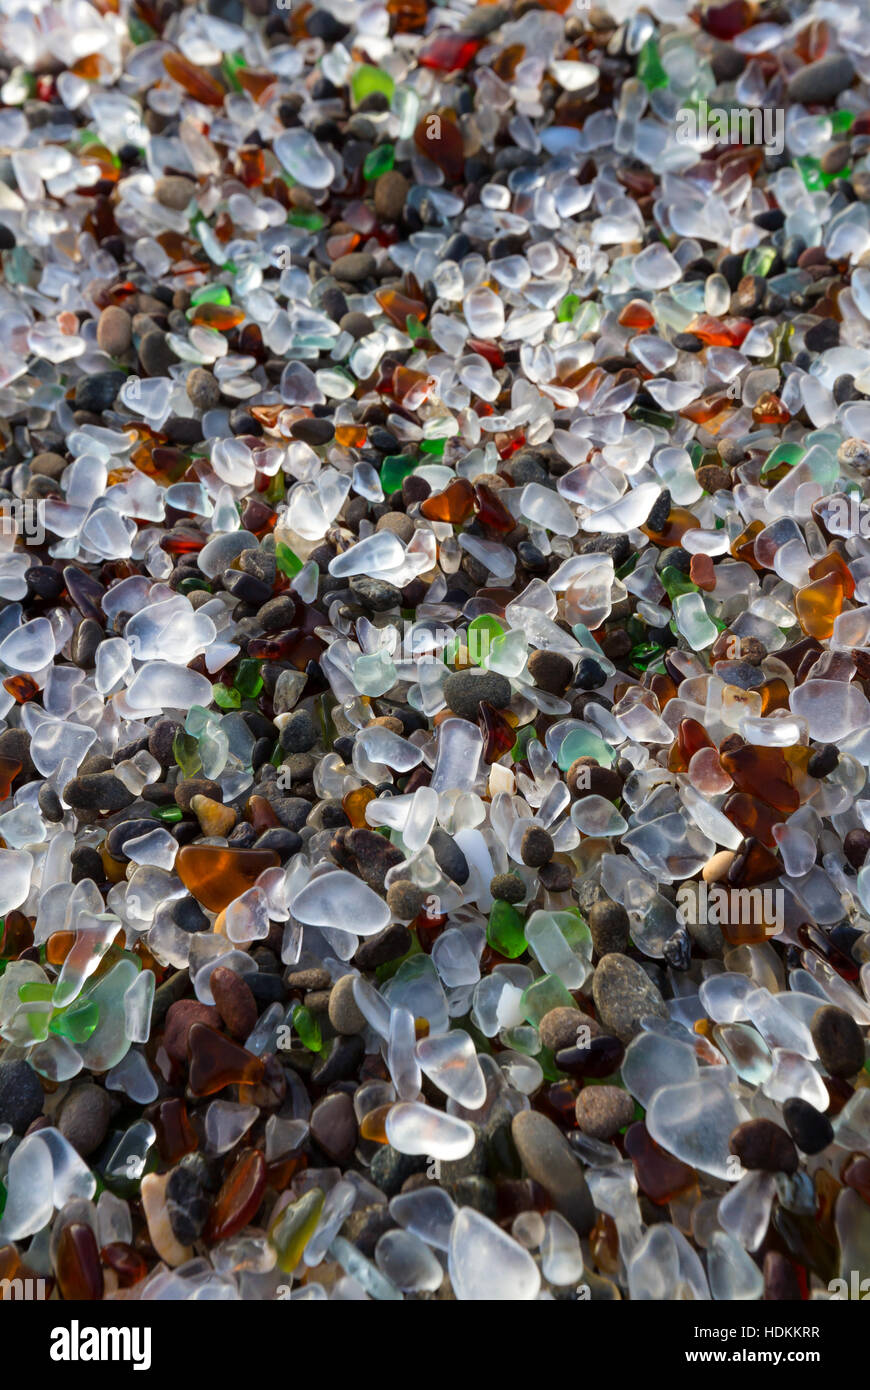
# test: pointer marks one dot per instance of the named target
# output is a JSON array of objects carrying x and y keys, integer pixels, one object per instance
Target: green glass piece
[
  {"x": 583, "y": 743},
  {"x": 482, "y": 632},
  {"x": 647, "y": 416},
  {"x": 210, "y": 294},
  {"x": 226, "y": 698},
  {"x": 311, "y": 221},
  {"x": 275, "y": 491},
  {"x": 644, "y": 654},
  {"x": 230, "y": 66},
  {"x": 649, "y": 67},
  {"x": 139, "y": 31},
  {"x": 626, "y": 569},
  {"x": 676, "y": 583},
  {"x": 568, "y": 308},
  {"x": 249, "y": 678},
  {"x": 170, "y": 815},
  {"x": 504, "y": 931},
  {"x": 295, "y": 1227},
  {"x": 76, "y": 1023},
  {"x": 414, "y": 328},
  {"x": 185, "y": 750},
  {"x": 543, "y": 995},
  {"x": 308, "y": 1028},
  {"x": 432, "y": 446},
  {"x": 546, "y": 1060},
  {"x": 394, "y": 470},
  {"x": 288, "y": 561},
  {"x": 187, "y": 586},
  {"x": 379, "y": 161},
  {"x": 524, "y": 738},
  {"x": 368, "y": 79},
  {"x": 783, "y": 453},
  {"x": 35, "y": 992},
  {"x": 759, "y": 259}
]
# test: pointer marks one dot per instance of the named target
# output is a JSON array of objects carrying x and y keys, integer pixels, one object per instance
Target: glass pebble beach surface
[{"x": 434, "y": 650}]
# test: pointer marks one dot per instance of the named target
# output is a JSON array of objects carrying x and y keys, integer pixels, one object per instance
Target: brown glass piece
[
  {"x": 217, "y": 876},
  {"x": 215, "y": 1062},
  {"x": 239, "y": 1199},
  {"x": 77, "y": 1264}
]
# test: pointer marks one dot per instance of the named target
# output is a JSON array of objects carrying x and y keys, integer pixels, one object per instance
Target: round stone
[
  {"x": 203, "y": 390},
  {"x": 114, "y": 330},
  {"x": 405, "y": 900},
  {"x": 506, "y": 888},
  {"x": 84, "y": 1117},
  {"x": 234, "y": 1002},
  {"x": 464, "y": 690},
  {"x": 609, "y": 925},
  {"x": 536, "y": 846},
  {"x": 624, "y": 994},
  {"x": 551, "y": 671},
  {"x": 762, "y": 1145},
  {"x": 21, "y": 1095},
  {"x": 559, "y": 1027},
  {"x": 809, "y": 1128},
  {"x": 344, "y": 1014},
  {"x": 603, "y": 1110},
  {"x": 547, "y": 1158},
  {"x": 838, "y": 1041}
]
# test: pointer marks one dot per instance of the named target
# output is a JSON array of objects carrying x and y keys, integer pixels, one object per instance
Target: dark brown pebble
[
  {"x": 763, "y": 1146},
  {"x": 234, "y": 1002}
]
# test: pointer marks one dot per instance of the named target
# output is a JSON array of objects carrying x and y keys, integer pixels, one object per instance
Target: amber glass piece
[
  {"x": 239, "y": 1199},
  {"x": 604, "y": 1244},
  {"x": 660, "y": 1176},
  {"x": 373, "y": 1126},
  {"x": 77, "y": 1264},
  {"x": 21, "y": 688},
  {"x": 490, "y": 512},
  {"x": 125, "y": 1261},
  {"x": 217, "y": 876},
  {"x": 351, "y": 436},
  {"x": 9, "y": 770},
  {"x": 58, "y": 946},
  {"x": 200, "y": 85},
  {"x": 769, "y": 410},
  {"x": 407, "y": 15},
  {"x": 354, "y": 806},
  {"x": 400, "y": 307},
  {"x": 719, "y": 332},
  {"x": 16, "y": 934},
  {"x": 440, "y": 140},
  {"x": 662, "y": 687},
  {"x": 753, "y": 865},
  {"x": 455, "y": 504},
  {"x": 833, "y": 563},
  {"x": 256, "y": 81},
  {"x": 679, "y": 521},
  {"x": 219, "y": 316},
  {"x": 411, "y": 388},
  {"x": 813, "y": 939},
  {"x": 638, "y": 315},
  {"x": 743, "y": 546},
  {"x": 175, "y": 1134},
  {"x": 692, "y": 737},
  {"x": 216, "y": 1061},
  {"x": 261, "y": 814},
  {"x": 817, "y": 606},
  {"x": 499, "y": 735},
  {"x": 764, "y": 773},
  {"x": 114, "y": 869},
  {"x": 251, "y": 163},
  {"x": 752, "y": 817},
  {"x": 774, "y": 695}
]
